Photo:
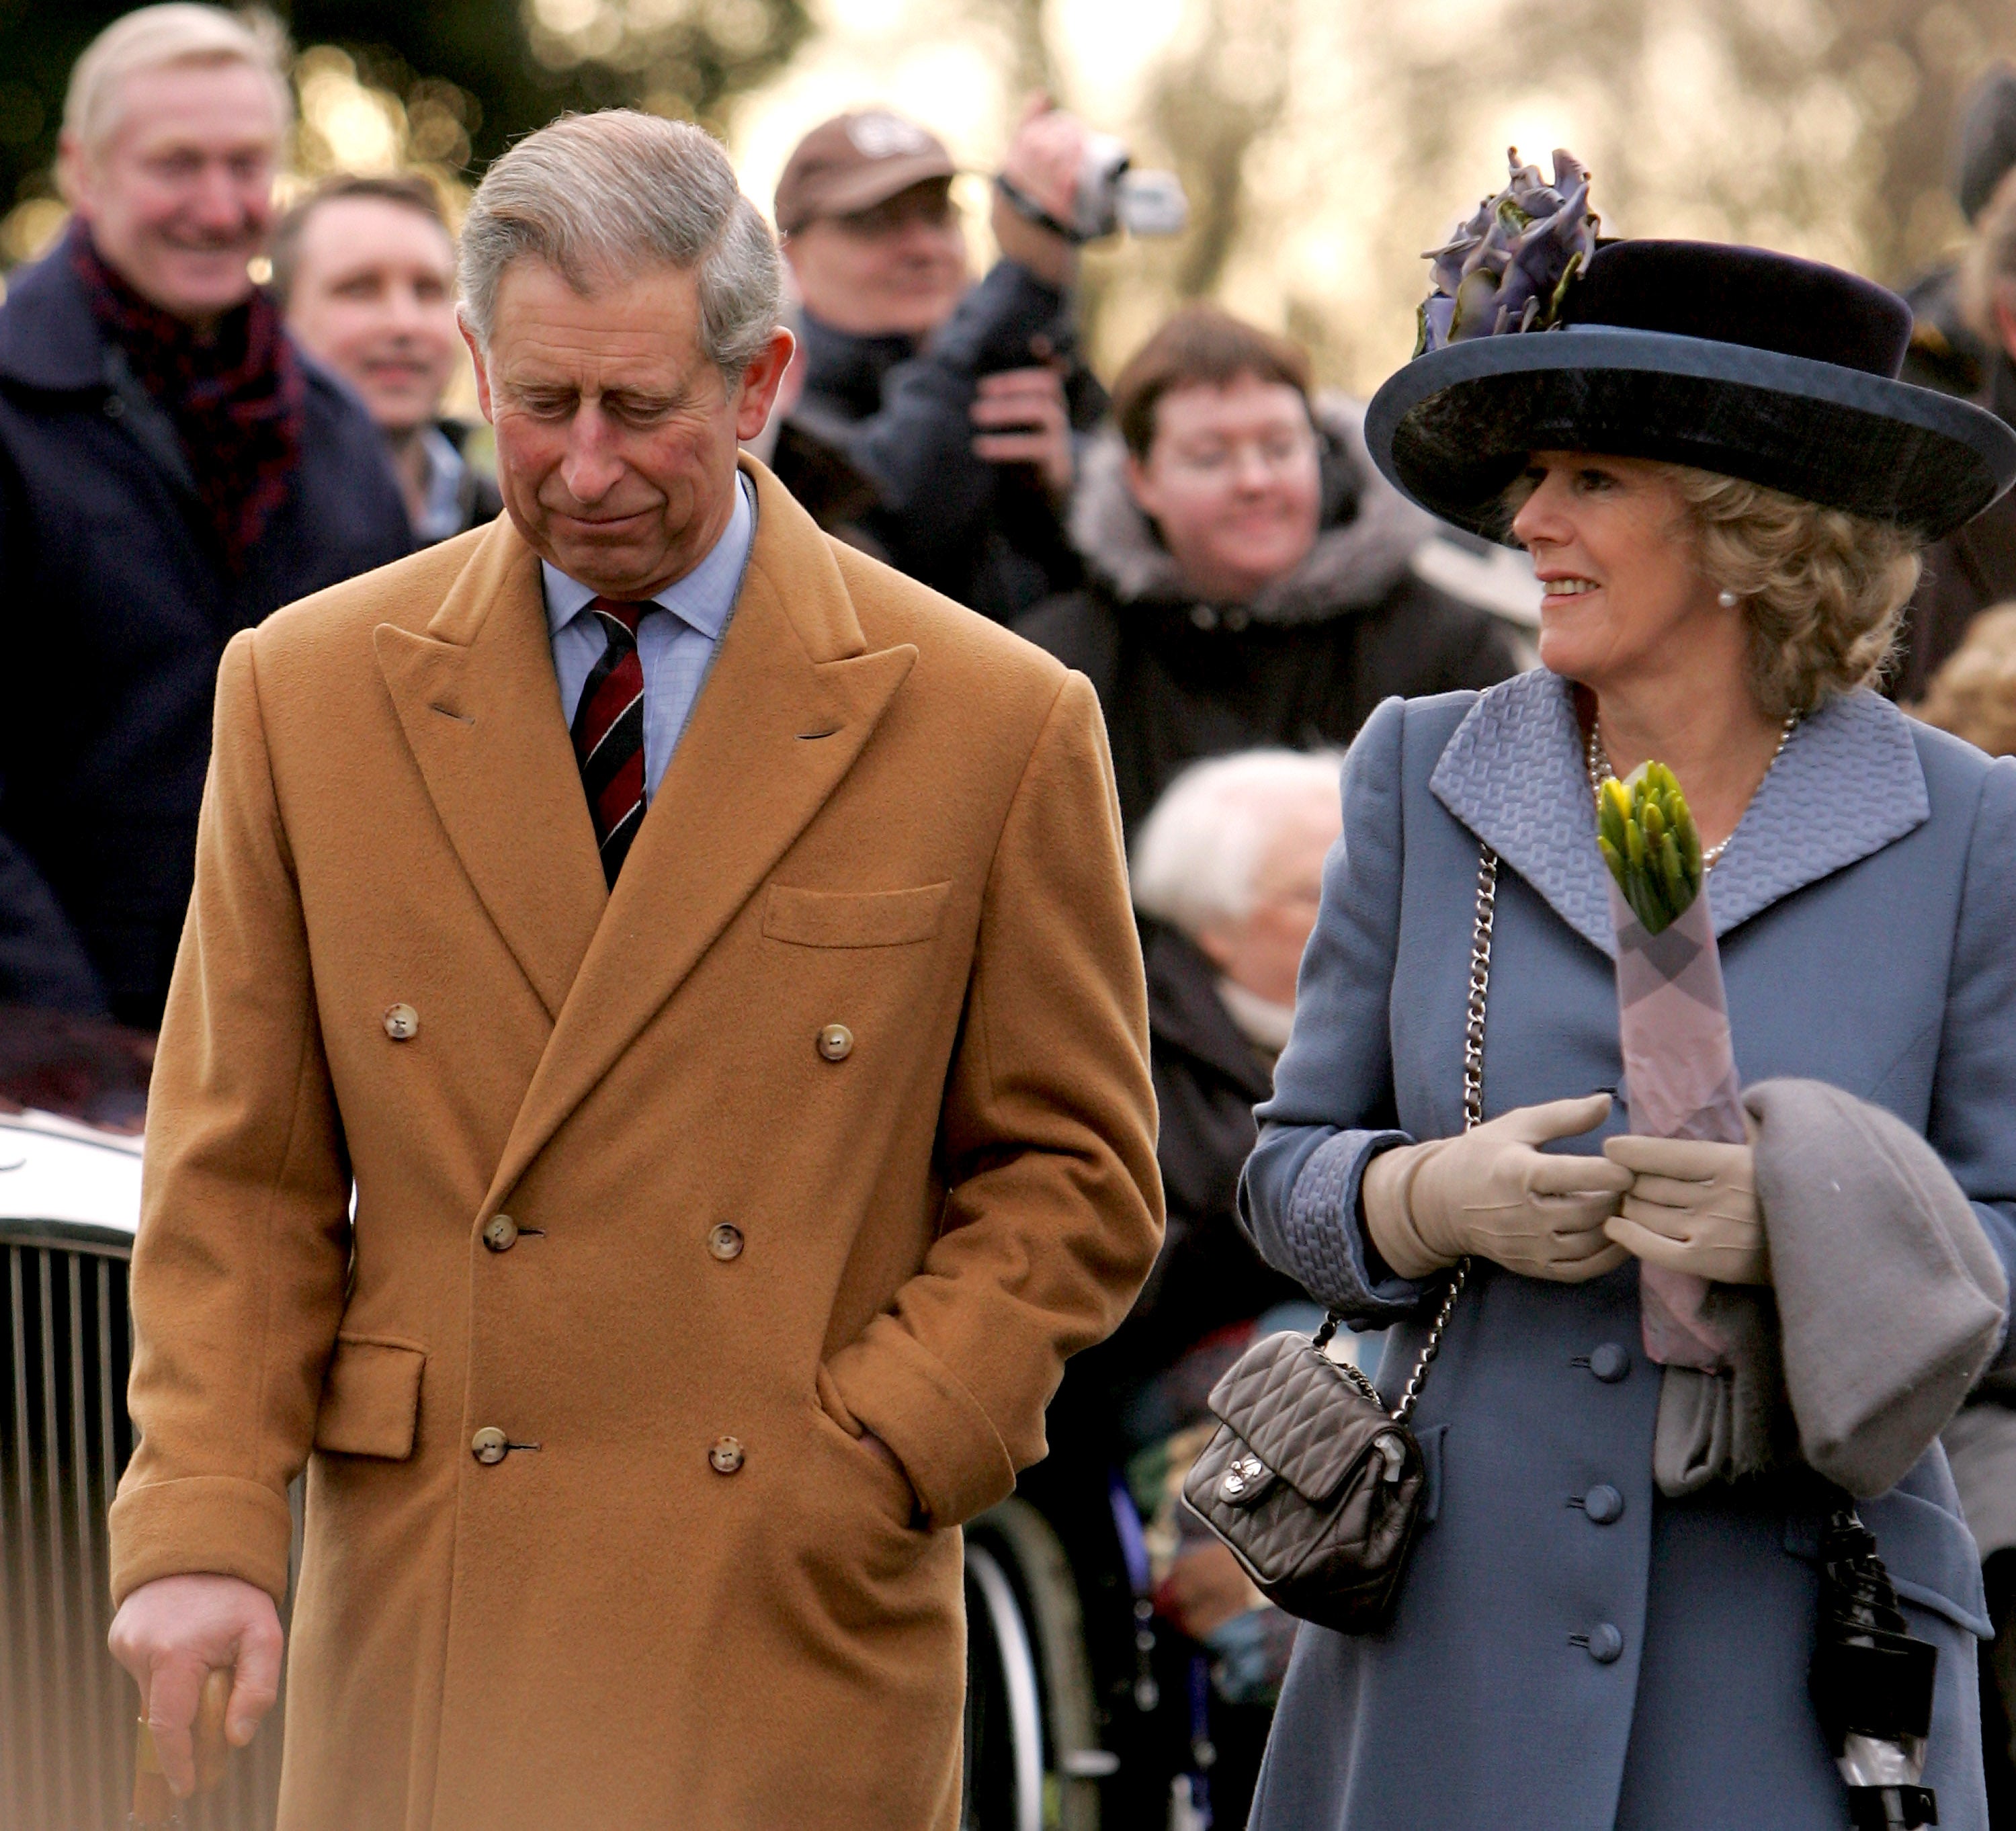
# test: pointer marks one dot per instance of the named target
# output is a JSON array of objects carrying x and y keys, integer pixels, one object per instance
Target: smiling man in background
[
  {"x": 170, "y": 470},
  {"x": 741, "y": 1137},
  {"x": 364, "y": 268}
]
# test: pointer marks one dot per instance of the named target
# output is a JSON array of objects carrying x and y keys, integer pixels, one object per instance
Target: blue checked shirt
[{"x": 676, "y": 649}]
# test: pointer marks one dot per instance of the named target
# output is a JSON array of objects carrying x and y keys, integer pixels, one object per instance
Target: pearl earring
[{"x": 1725, "y": 599}]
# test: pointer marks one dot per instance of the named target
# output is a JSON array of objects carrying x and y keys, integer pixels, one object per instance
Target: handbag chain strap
[{"x": 1473, "y": 1107}]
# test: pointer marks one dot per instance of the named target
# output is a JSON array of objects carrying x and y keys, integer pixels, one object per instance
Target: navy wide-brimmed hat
[{"x": 1739, "y": 361}]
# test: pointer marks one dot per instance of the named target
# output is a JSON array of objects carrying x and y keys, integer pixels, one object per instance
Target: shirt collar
[
  {"x": 701, "y": 600},
  {"x": 446, "y": 467}
]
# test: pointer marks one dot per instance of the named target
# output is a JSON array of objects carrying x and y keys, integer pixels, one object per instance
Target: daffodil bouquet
[{"x": 1679, "y": 1064}]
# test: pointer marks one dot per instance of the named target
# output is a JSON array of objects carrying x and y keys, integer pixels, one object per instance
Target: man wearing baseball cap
[{"x": 961, "y": 403}]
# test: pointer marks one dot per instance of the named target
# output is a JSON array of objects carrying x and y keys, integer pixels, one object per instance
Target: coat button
[
  {"x": 501, "y": 1234},
  {"x": 115, "y": 408},
  {"x": 835, "y": 1042},
  {"x": 1609, "y": 1363},
  {"x": 1603, "y": 1503},
  {"x": 724, "y": 1241},
  {"x": 490, "y": 1445},
  {"x": 726, "y": 1454},
  {"x": 1605, "y": 1643},
  {"x": 402, "y": 1023}
]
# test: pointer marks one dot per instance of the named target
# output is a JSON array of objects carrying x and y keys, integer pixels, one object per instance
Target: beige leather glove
[
  {"x": 1491, "y": 1192},
  {"x": 1692, "y": 1207}
]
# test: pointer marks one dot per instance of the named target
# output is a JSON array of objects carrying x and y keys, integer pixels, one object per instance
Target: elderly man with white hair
[
  {"x": 653, "y": 1089},
  {"x": 171, "y": 469}
]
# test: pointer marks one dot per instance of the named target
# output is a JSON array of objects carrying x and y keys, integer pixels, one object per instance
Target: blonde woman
[{"x": 1723, "y": 488}]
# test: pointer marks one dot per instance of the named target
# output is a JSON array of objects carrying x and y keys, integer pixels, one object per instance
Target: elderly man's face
[
  {"x": 1263, "y": 952},
  {"x": 616, "y": 435},
  {"x": 179, "y": 197}
]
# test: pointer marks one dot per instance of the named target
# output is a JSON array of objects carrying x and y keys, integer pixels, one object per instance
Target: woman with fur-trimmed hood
[{"x": 1250, "y": 578}]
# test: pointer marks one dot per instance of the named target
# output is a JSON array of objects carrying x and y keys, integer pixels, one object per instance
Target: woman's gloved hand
[
  {"x": 1692, "y": 1207},
  {"x": 1492, "y": 1192}
]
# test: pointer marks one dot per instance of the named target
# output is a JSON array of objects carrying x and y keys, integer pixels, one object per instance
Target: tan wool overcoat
[{"x": 835, "y": 1114}]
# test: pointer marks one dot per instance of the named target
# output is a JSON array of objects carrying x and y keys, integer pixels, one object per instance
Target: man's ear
[
  {"x": 477, "y": 357},
  {"x": 760, "y": 381}
]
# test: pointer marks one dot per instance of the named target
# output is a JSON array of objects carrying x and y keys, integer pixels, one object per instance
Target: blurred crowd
[{"x": 183, "y": 451}]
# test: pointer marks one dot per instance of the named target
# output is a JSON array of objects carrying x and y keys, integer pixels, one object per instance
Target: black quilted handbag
[{"x": 1313, "y": 1483}]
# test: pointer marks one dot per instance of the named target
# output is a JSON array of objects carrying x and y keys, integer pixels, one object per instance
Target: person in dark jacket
[
  {"x": 1250, "y": 577},
  {"x": 364, "y": 269},
  {"x": 1974, "y": 566},
  {"x": 171, "y": 469},
  {"x": 1226, "y": 873},
  {"x": 962, "y": 404}
]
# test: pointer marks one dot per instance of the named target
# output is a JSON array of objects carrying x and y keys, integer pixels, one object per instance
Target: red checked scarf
[{"x": 235, "y": 398}]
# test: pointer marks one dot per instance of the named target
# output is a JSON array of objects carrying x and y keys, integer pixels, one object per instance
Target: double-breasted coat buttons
[
  {"x": 724, "y": 1241},
  {"x": 402, "y": 1023},
  {"x": 725, "y": 1457},
  {"x": 835, "y": 1042},
  {"x": 489, "y": 1445},
  {"x": 500, "y": 1233}
]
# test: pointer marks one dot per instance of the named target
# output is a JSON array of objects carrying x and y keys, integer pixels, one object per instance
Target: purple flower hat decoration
[{"x": 1510, "y": 267}]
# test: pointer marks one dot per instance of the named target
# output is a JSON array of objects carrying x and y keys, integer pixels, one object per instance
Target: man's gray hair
[
  {"x": 157, "y": 38},
  {"x": 1197, "y": 856},
  {"x": 598, "y": 196}
]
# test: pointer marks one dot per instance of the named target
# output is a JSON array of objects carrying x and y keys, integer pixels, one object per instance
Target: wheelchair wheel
[{"x": 1033, "y": 1759}]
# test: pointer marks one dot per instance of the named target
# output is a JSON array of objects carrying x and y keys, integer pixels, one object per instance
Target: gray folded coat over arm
[{"x": 1890, "y": 1304}]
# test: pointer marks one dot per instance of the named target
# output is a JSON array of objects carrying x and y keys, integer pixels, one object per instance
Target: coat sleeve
[
  {"x": 1052, "y": 1209},
  {"x": 1973, "y": 1092},
  {"x": 1333, "y": 1107},
  {"x": 919, "y": 448},
  {"x": 243, "y": 1243}
]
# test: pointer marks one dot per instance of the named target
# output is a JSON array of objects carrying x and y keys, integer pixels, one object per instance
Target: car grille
[{"x": 68, "y": 1712}]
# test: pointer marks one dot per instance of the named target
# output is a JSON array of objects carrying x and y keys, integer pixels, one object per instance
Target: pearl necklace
[{"x": 1596, "y": 759}]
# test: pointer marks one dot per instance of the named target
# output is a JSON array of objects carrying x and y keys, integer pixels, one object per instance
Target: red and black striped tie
[{"x": 609, "y": 735}]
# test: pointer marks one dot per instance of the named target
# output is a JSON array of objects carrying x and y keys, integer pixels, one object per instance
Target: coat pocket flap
[
  {"x": 1306, "y": 1418},
  {"x": 854, "y": 918},
  {"x": 370, "y": 1398}
]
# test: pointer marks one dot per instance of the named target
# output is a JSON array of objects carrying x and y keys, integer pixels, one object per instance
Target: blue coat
[
  {"x": 1547, "y": 1668},
  {"x": 118, "y": 608}
]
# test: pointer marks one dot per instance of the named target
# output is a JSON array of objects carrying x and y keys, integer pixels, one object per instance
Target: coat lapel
[
  {"x": 793, "y": 698},
  {"x": 1847, "y": 784},
  {"x": 477, "y": 697}
]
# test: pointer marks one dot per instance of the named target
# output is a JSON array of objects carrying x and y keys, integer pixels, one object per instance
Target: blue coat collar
[{"x": 1847, "y": 784}]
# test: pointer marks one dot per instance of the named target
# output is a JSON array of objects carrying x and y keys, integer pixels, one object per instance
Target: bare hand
[
  {"x": 170, "y": 1634},
  {"x": 1031, "y": 402},
  {"x": 1043, "y": 163},
  {"x": 1692, "y": 1207}
]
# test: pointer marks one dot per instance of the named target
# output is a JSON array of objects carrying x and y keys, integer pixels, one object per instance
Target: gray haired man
[{"x": 647, "y": 1162}]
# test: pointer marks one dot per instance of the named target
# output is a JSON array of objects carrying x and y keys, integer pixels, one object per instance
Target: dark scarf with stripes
[{"x": 234, "y": 397}]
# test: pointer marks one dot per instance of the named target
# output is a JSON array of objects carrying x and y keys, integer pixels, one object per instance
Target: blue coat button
[
  {"x": 1603, "y": 1504},
  {"x": 1609, "y": 1363},
  {"x": 1605, "y": 1643}
]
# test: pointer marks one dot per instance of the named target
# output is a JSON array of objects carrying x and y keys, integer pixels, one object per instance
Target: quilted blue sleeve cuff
[{"x": 1316, "y": 1236}]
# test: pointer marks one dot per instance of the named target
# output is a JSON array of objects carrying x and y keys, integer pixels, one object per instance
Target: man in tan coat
[{"x": 705, "y": 957}]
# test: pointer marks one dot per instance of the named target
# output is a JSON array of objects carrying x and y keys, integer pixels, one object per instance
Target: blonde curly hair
[{"x": 1824, "y": 590}]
